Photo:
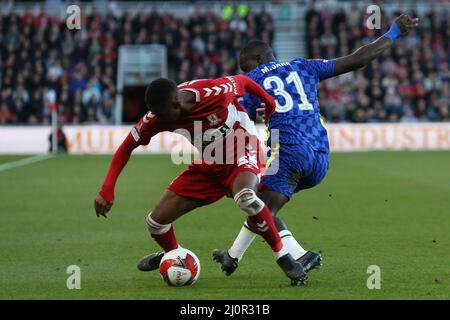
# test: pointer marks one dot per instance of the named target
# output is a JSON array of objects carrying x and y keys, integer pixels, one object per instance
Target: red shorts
[{"x": 208, "y": 183}]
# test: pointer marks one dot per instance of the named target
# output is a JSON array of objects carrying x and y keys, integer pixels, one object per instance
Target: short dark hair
[
  {"x": 256, "y": 48},
  {"x": 158, "y": 92}
]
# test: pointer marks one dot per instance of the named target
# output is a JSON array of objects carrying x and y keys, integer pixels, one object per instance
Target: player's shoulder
[
  {"x": 312, "y": 66},
  {"x": 202, "y": 83},
  {"x": 301, "y": 62},
  {"x": 205, "y": 89},
  {"x": 309, "y": 63},
  {"x": 298, "y": 60},
  {"x": 194, "y": 83},
  {"x": 147, "y": 127},
  {"x": 196, "y": 86}
]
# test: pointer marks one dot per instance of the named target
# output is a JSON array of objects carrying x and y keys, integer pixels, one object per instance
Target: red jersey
[
  {"x": 216, "y": 109},
  {"x": 215, "y": 114}
]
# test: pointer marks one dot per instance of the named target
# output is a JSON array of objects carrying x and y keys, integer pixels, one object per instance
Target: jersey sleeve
[
  {"x": 244, "y": 85},
  {"x": 146, "y": 128},
  {"x": 207, "y": 90},
  {"x": 322, "y": 69},
  {"x": 227, "y": 89},
  {"x": 118, "y": 162}
]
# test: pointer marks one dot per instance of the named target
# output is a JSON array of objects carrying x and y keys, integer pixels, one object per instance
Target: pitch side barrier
[{"x": 93, "y": 139}]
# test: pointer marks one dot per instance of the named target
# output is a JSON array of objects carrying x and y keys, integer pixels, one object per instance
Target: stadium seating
[{"x": 44, "y": 63}]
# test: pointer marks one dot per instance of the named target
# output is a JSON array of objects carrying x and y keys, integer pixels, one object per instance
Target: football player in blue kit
[{"x": 300, "y": 159}]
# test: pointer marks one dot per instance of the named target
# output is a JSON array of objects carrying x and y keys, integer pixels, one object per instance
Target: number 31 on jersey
[{"x": 277, "y": 85}]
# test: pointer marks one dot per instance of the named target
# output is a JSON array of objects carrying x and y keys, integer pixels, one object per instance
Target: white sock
[
  {"x": 243, "y": 240},
  {"x": 291, "y": 245}
]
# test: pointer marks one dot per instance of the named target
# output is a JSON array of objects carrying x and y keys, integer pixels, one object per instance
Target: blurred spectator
[
  {"x": 42, "y": 62},
  {"x": 410, "y": 82},
  {"x": 61, "y": 140}
]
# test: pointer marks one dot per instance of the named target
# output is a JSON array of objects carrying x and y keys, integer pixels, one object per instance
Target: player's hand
[
  {"x": 405, "y": 23},
  {"x": 268, "y": 111},
  {"x": 262, "y": 110},
  {"x": 101, "y": 206}
]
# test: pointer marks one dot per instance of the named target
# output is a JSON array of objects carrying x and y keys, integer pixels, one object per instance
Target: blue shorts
[{"x": 292, "y": 168}]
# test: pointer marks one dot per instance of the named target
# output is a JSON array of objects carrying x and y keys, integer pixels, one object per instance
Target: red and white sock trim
[{"x": 155, "y": 227}]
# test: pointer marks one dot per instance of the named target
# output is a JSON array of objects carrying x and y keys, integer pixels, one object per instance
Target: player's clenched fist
[
  {"x": 101, "y": 206},
  {"x": 405, "y": 23}
]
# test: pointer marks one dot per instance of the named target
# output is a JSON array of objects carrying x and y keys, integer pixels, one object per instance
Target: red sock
[
  {"x": 263, "y": 223},
  {"x": 167, "y": 240}
]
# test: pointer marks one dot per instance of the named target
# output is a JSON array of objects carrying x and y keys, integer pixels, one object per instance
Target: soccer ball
[{"x": 179, "y": 267}]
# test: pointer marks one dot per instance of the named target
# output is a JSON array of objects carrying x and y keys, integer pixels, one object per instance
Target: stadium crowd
[
  {"x": 45, "y": 65},
  {"x": 410, "y": 83}
]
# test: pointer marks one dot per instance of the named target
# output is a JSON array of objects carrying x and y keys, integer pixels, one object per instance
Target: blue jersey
[{"x": 294, "y": 87}]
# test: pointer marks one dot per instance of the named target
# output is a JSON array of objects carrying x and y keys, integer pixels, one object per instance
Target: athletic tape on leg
[{"x": 248, "y": 201}]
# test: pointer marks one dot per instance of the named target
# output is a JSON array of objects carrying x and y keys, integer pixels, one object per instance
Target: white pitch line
[{"x": 24, "y": 162}]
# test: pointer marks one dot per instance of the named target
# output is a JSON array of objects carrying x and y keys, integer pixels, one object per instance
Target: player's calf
[
  {"x": 259, "y": 216},
  {"x": 164, "y": 236}
]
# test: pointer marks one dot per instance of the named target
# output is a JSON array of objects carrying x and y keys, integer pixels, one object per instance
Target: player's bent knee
[
  {"x": 155, "y": 227},
  {"x": 248, "y": 201}
]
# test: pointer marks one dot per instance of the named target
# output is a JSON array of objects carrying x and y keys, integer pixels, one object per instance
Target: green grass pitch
[{"x": 390, "y": 209}]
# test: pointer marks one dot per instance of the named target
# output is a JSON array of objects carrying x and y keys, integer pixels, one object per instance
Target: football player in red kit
[{"x": 207, "y": 111}]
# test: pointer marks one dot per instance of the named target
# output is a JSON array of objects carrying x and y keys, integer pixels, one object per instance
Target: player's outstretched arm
[
  {"x": 364, "y": 55},
  {"x": 105, "y": 198}
]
